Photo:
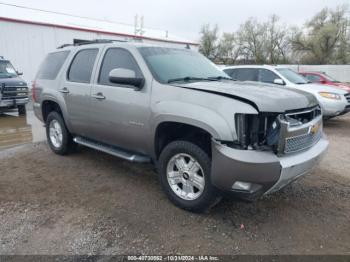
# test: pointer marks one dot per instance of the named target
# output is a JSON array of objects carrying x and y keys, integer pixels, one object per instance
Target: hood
[
  {"x": 264, "y": 97},
  {"x": 343, "y": 86},
  {"x": 315, "y": 88},
  {"x": 13, "y": 81}
]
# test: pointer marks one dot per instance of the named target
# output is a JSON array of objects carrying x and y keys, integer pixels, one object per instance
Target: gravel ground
[{"x": 93, "y": 203}]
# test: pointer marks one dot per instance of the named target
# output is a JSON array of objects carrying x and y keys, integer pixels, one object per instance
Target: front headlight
[{"x": 330, "y": 95}]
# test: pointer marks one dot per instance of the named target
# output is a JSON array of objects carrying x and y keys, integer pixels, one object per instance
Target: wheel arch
[
  {"x": 169, "y": 131},
  {"x": 48, "y": 105}
]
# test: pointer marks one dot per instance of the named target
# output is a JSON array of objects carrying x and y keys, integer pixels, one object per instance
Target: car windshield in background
[
  {"x": 7, "y": 70},
  {"x": 171, "y": 64},
  {"x": 329, "y": 78},
  {"x": 293, "y": 76}
]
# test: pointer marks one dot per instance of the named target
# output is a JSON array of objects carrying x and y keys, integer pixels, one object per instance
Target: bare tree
[
  {"x": 229, "y": 48},
  {"x": 277, "y": 41},
  {"x": 208, "y": 41},
  {"x": 319, "y": 41},
  {"x": 252, "y": 36},
  {"x": 323, "y": 39}
]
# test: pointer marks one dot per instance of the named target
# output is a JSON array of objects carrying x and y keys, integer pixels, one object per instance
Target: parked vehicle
[
  {"x": 205, "y": 133},
  {"x": 333, "y": 101},
  {"x": 324, "y": 79},
  {"x": 13, "y": 90}
]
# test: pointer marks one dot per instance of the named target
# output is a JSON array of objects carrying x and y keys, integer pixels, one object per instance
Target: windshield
[
  {"x": 329, "y": 78},
  {"x": 171, "y": 64},
  {"x": 293, "y": 76},
  {"x": 7, "y": 70}
]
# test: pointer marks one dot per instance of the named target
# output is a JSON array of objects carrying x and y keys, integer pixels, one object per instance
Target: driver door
[{"x": 119, "y": 115}]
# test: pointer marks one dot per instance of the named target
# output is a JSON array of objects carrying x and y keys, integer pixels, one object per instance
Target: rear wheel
[
  {"x": 184, "y": 170},
  {"x": 58, "y": 136},
  {"x": 21, "y": 110}
]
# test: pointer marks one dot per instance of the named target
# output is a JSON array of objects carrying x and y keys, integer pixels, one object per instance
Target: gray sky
[{"x": 185, "y": 17}]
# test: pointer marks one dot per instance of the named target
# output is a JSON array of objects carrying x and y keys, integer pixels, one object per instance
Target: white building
[{"x": 27, "y": 35}]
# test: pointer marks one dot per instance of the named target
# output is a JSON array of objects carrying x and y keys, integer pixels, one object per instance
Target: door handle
[
  {"x": 64, "y": 90},
  {"x": 99, "y": 96}
]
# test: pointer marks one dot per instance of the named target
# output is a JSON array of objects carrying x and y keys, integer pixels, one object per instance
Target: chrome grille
[
  {"x": 299, "y": 130},
  {"x": 302, "y": 142},
  {"x": 12, "y": 92}
]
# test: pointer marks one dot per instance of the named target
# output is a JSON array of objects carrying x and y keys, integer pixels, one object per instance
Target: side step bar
[{"x": 112, "y": 150}]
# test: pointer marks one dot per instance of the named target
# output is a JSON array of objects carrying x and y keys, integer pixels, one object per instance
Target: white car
[{"x": 333, "y": 101}]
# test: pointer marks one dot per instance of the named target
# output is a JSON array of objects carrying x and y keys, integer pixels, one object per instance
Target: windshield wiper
[
  {"x": 221, "y": 78},
  {"x": 189, "y": 78}
]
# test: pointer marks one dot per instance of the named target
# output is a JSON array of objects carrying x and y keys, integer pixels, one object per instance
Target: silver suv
[{"x": 206, "y": 133}]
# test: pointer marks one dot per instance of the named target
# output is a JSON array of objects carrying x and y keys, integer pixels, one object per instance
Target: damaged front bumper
[{"x": 251, "y": 173}]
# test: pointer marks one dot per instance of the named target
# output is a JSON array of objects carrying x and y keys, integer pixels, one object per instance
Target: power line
[{"x": 71, "y": 15}]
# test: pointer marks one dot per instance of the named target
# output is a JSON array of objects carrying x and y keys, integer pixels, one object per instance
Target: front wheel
[{"x": 184, "y": 171}]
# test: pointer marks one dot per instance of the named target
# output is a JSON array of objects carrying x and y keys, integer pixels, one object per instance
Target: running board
[{"x": 112, "y": 150}]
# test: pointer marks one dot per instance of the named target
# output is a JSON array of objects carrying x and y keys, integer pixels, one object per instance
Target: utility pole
[{"x": 138, "y": 27}]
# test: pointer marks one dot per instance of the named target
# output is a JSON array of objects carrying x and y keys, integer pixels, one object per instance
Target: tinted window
[
  {"x": 81, "y": 68},
  {"x": 117, "y": 58},
  {"x": 267, "y": 76},
  {"x": 51, "y": 65},
  {"x": 292, "y": 76},
  {"x": 229, "y": 71},
  {"x": 246, "y": 74},
  {"x": 313, "y": 78}
]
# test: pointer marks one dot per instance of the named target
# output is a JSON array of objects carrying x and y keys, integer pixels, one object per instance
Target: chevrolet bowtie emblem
[{"x": 314, "y": 129}]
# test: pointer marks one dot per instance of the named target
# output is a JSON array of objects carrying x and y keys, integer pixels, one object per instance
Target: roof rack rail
[{"x": 79, "y": 42}]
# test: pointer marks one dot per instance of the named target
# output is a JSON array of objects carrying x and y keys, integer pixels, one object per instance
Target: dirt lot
[{"x": 93, "y": 203}]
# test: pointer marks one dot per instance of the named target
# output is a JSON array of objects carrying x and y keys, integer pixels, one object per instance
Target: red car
[{"x": 324, "y": 79}]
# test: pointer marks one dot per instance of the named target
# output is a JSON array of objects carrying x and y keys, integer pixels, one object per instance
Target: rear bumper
[
  {"x": 37, "y": 111},
  {"x": 12, "y": 103},
  {"x": 264, "y": 171}
]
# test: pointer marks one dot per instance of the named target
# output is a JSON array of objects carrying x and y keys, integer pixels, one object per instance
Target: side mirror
[
  {"x": 279, "y": 81},
  {"x": 125, "y": 76},
  {"x": 19, "y": 73}
]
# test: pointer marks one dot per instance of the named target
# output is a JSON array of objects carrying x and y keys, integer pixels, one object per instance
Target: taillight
[{"x": 34, "y": 91}]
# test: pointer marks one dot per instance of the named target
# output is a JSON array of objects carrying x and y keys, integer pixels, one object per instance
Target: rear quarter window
[
  {"x": 81, "y": 68},
  {"x": 51, "y": 65}
]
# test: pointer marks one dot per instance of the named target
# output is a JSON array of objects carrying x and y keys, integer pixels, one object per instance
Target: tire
[
  {"x": 21, "y": 110},
  {"x": 200, "y": 198},
  {"x": 60, "y": 142}
]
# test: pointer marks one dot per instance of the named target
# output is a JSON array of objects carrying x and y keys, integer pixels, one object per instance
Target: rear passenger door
[
  {"x": 119, "y": 114},
  {"x": 246, "y": 74},
  {"x": 76, "y": 90}
]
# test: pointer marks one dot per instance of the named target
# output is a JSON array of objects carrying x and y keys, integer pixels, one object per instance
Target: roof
[
  {"x": 22, "y": 14},
  {"x": 107, "y": 42},
  {"x": 312, "y": 72}
]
